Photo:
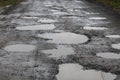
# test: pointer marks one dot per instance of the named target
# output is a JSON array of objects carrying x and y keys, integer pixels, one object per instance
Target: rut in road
[{"x": 38, "y": 36}]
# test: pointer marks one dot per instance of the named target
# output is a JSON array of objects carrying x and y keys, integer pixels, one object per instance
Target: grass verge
[
  {"x": 115, "y": 4},
  {"x": 8, "y": 2}
]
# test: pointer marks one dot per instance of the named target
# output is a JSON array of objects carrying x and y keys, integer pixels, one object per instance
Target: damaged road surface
[{"x": 59, "y": 40}]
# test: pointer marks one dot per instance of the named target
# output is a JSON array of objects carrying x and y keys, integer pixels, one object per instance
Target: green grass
[
  {"x": 115, "y": 4},
  {"x": 8, "y": 2}
]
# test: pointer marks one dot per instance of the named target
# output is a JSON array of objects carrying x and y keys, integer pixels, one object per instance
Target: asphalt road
[{"x": 36, "y": 36}]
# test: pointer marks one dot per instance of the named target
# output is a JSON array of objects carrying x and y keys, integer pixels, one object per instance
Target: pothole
[
  {"x": 109, "y": 55},
  {"x": 72, "y": 17},
  {"x": 60, "y": 13},
  {"x": 54, "y": 10},
  {"x": 76, "y": 72},
  {"x": 61, "y": 51},
  {"x": 24, "y": 3},
  {"x": 91, "y": 13},
  {"x": 97, "y": 18},
  {"x": 29, "y": 17},
  {"x": 113, "y": 36},
  {"x": 20, "y": 48},
  {"x": 94, "y": 28},
  {"x": 37, "y": 27},
  {"x": 44, "y": 20},
  {"x": 65, "y": 38},
  {"x": 116, "y": 46},
  {"x": 48, "y": 4}
]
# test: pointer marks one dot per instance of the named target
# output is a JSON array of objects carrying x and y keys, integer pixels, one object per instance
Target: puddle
[
  {"x": 65, "y": 38},
  {"x": 54, "y": 10},
  {"x": 73, "y": 17},
  {"x": 58, "y": 31},
  {"x": 61, "y": 51},
  {"x": 75, "y": 72},
  {"x": 91, "y": 13},
  {"x": 24, "y": 3},
  {"x": 37, "y": 27},
  {"x": 97, "y": 18},
  {"x": 109, "y": 55},
  {"x": 116, "y": 46},
  {"x": 20, "y": 48},
  {"x": 29, "y": 17},
  {"x": 113, "y": 36},
  {"x": 60, "y": 13},
  {"x": 47, "y": 20},
  {"x": 94, "y": 28},
  {"x": 48, "y": 4}
]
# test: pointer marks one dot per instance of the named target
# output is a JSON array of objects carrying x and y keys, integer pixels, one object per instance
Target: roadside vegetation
[
  {"x": 115, "y": 4},
  {"x": 8, "y": 2}
]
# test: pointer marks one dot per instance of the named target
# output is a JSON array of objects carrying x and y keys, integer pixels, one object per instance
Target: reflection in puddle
[
  {"x": 116, "y": 46},
  {"x": 61, "y": 51},
  {"x": 20, "y": 48},
  {"x": 75, "y": 17},
  {"x": 60, "y": 13},
  {"x": 37, "y": 27},
  {"x": 54, "y": 10},
  {"x": 109, "y": 55},
  {"x": 48, "y": 4},
  {"x": 47, "y": 20},
  {"x": 65, "y": 38},
  {"x": 94, "y": 28},
  {"x": 24, "y": 3},
  {"x": 91, "y": 13},
  {"x": 113, "y": 36},
  {"x": 76, "y": 72},
  {"x": 97, "y": 18},
  {"x": 29, "y": 17}
]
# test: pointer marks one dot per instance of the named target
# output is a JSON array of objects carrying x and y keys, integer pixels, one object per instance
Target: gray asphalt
[{"x": 36, "y": 36}]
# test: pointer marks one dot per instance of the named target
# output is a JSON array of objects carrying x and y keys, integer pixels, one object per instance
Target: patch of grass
[
  {"x": 8, "y": 2},
  {"x": 115, "y": 4}
]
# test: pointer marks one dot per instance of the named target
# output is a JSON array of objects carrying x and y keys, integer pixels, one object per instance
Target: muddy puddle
[
  {"x": 44, "y": 20},
  {"x": 19, "y": 48},
  {"x": 94, "y": 28},
  {"x": 116, "y": 46},
  {"x": 65, "y": 38},
  {"x": 76, "y": 72},
  {"x": 37, "y": 27},
  {"x": 112, "y": 36},
  {"x": 109, "y": 55},
  {"x": 61, "y": 51}
]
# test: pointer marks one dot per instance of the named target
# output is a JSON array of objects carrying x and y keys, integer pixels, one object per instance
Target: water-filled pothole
[
  {"x": 65, "y": 38},
  {"x": 44, "y": 20},
  {"x": 94, "y": 28},
  {"x": 61, "y": 51},
  {"x": 20, "y": 48},
  {"x": 48, "y": 5},
  {"x": 37, "y": 27},
  {"x": 113, "y": 36},
  {"x": 109, "y": 55},
  {"x": 60, "y": 13},
  {"x": 75, "y": 72},
  {"x": 97, "y": 18},
  {"x": 116, "y": 46},
  {"x": 72, "y": 17},
  {"x": 29, "y": 17}
]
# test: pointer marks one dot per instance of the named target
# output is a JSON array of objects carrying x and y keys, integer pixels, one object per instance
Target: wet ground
[{"x": 48, "y": 39}]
